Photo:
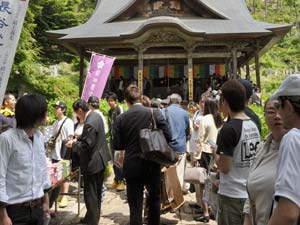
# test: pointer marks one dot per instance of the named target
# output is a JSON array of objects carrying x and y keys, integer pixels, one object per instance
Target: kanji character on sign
[
  {"x": 2, "y": 23},
  {"x": 4, "y": 7}
]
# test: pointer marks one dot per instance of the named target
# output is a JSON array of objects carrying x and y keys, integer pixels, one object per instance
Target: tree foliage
[{"x": 35, "y": 51}]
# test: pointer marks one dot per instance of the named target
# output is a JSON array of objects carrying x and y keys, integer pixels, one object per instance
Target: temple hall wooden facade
[{"x": 171, "y": 42}]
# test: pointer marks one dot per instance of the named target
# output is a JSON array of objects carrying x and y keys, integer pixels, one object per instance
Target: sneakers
[
  {"x": 64, "y": 202},
  {"x": 203, "y": 219},
  {"x": 113, "y": 185},
  {"x": 59, "y": 198},
  {"x": 120, "y": 186}
]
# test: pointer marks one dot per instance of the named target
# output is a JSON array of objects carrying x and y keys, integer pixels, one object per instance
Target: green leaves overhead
[{"x": 36, "y": 52}]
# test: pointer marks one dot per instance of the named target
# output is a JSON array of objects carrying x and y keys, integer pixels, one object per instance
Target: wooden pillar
[
  {"x": 81, "y": 70},
  {"x": 257, "y": 70},
  {"x": 234, "y": 63},
  {"x": 141, "y": 69},
  {"x": 190, "y": 76},
  {"x": 230, "y": 69},
  {"x": 247, "y": 71}
]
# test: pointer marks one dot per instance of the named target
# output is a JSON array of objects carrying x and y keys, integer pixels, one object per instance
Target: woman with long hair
[{"x": 209, "y": 124}]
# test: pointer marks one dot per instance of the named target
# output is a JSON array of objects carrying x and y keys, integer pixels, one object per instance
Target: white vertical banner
[{"x": 12, "y": 14}]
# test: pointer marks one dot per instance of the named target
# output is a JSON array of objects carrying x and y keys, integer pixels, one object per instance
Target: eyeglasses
[{"x": 271, "y": 112}]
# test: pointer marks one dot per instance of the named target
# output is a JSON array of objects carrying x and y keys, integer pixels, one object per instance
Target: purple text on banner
[{"x": 97, "y": 76}]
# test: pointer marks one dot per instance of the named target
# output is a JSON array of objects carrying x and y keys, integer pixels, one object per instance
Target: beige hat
[{"x": 289, "y": 87}]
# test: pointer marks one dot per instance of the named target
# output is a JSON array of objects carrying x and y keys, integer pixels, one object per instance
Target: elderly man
[
  {"x": 179, "y": 127},
  {"x": 287, "y": 192}
]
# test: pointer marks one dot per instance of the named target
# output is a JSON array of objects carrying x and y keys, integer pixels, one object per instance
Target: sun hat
[{"x": 289, "y": 87}]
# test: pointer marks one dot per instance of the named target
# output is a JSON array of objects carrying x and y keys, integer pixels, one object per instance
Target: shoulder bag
[{"x": 155, "y": 146}]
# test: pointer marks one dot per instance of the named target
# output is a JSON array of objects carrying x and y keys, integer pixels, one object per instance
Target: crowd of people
[{"x": 256, "y": 180}]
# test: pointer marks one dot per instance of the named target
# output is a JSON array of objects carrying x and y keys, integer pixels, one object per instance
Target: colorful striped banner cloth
[
  {"x": 202, "y": 71},
  {"x": 117, "y": 73},
  {"x": 171, "y": 71},
  {"x": 212, "y": 69},
  {"x": 161, "y": 73},
  {"x": 222, "y": 70},
  {"x": 196, "y": 69},
  {"x": 217, "y": 70},
  {"x": 147, "y": 72}
]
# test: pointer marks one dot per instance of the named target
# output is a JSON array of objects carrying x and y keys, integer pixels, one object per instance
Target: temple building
[{"x": 172, "y": 45}]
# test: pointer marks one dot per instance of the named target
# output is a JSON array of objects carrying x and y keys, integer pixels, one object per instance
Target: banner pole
[{"x": 87, "y": 75}]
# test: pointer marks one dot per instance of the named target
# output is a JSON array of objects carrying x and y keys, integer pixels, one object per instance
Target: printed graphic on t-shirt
[{"x": 249, "y": 145}]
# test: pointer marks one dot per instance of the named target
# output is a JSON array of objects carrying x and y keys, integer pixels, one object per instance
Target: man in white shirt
[
  {"x": 63, "y": 130},
  {"x": 287, "y": 192},
  {"x": 23, "y": 168},
  {"x": 94, "y": 104},
  {"x": 237, "y": 143}
]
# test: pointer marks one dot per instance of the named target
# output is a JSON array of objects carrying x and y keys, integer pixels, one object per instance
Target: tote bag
[{"x": 155, "y": 146}]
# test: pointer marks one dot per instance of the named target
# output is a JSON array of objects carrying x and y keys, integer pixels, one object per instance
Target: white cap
[{"x": 289, "y": 87}]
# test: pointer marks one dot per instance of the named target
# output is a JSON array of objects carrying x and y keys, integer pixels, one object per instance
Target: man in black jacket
[
  {"x": 139, "y": 172},
  {"x": 94, "y": 156},
  {"x": 249, "y": 112}
]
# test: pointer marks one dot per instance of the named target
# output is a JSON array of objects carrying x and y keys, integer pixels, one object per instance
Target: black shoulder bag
[{"x": 155, "y": 146}]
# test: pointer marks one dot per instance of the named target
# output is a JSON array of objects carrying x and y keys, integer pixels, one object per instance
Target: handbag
[
  {"x": 65, "y": 152},
  {"x": 195, "y": 175},
  {"x": 52, "y": 140},
  {"x": 155, "y": 146}
]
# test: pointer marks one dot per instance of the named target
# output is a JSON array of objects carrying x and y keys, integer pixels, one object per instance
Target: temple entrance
[{"x": 161, "y": 77}]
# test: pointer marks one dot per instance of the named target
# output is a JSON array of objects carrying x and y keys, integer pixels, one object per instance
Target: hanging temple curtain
[{"x": 176, "y": 71}]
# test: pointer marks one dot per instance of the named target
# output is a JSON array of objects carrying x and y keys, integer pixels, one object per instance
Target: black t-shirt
[
  {"x": 229, "y": 137},
  {"x": 254, "y": 118}
]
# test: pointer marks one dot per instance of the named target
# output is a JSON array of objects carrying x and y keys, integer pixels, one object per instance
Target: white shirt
[
  {"x": 233, "y": 184},
  {"x": 288, "y": 171},
  {"x": 103, "y": 119},
  {"x": 23, "y": 167},
  {"x": 67, "y": 130},
  {"x": 195, "y": 133}
]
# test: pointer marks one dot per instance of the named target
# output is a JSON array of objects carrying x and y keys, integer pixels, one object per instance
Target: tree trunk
[
  {"x": 296, "y": 20},
  {"x": 253, "y": 5},
  {"x": 266, "y": 10},
  {"x": 281, "y": 6},
  {"x": 291, "y": 5}
]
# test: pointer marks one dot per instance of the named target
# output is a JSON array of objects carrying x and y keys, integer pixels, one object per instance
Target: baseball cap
[
  {"x": 249, "y": 88},
  {"x": 289, "y": 87},
  {"x": 60, "y": 104}
]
